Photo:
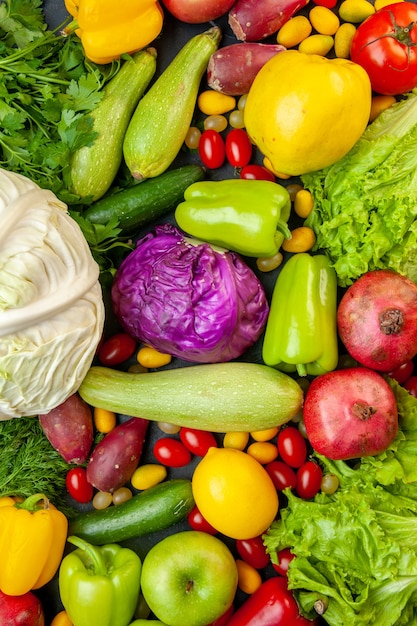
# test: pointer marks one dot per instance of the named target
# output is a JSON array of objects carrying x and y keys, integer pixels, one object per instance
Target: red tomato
[
  {"x": 292, "y": 446},
  {"x": 211, "y": 149},
  {"x": 401, "y": 373},
  {"x": 309, "y": 478},
  {"x": 253, "y": 551},
  {"x": 197, "y": 441},
  {"x": 411, "y": 385},
  {"x": 282, "y": 475},
  {"x": 238, "y": 147},
  {"x": 285, "y": 556},
  {"x": 385, "y": 45},
  {"x": 78, "y": 486},
  {"x": 171, "y": 452},
  {"x": 198, "y": 522},
  {"x": 117, "y": 349},
  {"x": 256, "y": 172}
]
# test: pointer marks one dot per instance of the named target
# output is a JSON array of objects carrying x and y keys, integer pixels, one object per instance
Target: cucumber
[
  {"x": 161, "y": 120},
  {"x": 218, "y": 397},
  {"x": 145, "y": 201},
  {"x": 149, "y": 511},
  {"x": 93, "y": 168}
]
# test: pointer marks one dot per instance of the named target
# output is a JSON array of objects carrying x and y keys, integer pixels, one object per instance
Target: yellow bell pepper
[
  {"x": 32, "y": 540},
  {"x": 107, "y": 31}
]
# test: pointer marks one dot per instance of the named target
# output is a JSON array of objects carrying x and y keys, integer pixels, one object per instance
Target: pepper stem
[
  {"x": 99, "y": 566},
  {"x": 301, "y": 369},
  {"x": 32, "y": 503},
  {"x": 70, "y": 28},
  {"x": 282, "y": 227}
]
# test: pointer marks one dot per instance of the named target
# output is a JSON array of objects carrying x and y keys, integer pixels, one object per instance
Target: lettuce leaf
[
  {"x": 365, "y": 205},
  {"x": 356, "y": 550}
]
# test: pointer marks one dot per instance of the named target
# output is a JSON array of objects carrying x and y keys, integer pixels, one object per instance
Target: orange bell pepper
[
  {"x": 107, "y": 31},
  {"x": 32, "y": 540}
]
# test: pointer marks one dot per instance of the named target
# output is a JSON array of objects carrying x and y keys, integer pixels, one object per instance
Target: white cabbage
[{"x": 51, "y": 304}]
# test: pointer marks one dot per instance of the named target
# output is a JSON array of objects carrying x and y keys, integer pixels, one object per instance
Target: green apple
[{"x": 189, "y": 579}]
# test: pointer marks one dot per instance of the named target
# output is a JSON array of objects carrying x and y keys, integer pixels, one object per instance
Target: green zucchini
[
  {"x": 217, "y": 397},
  {"x": 146, "y": 201},
  {"x": 163, "y": 116},
  {"x": 152, "y": 510},
  {"x": 93, "y": 168}
]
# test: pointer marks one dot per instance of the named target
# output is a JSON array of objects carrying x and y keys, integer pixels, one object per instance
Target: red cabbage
[{"x": 187, "y": 299}]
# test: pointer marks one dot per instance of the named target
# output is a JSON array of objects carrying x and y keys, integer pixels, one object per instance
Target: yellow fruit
[
  {"x": 234, "y": 493},
  {"x": 314, "y": 110}
]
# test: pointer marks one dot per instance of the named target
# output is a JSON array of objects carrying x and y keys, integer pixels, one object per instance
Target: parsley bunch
[{"x": 47, "y": 89}]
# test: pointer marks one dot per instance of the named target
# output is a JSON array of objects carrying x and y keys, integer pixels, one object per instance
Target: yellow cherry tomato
[
  {"x": 104, "y": 420},
  {"x": 343, "y": 40},
  {"x": 294, "y": 31},
  {"x": 263, "y": 451},
  {"x": 148, "y": 475},
  {"x": 248, "y": 578},
  {"x": 324, "y": 20},
  {"x": 264, "y": 435},
  {"x": 302, "y": 240},
  {"x": 150, "y": 358},
  {"x": 237, "y": 440},
  {"x": 61, "y": 619},
  {"x": 211, "y": 102}
]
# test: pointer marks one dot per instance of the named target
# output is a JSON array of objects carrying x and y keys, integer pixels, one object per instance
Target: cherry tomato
[
  {"x": 78, "y": 486},
  {"x": 117, "y": 349},
  {"x": 285, "y": 557},
  {"x": 329, "y": 4},
  {"x": 309, "y": 477},
  {"x": 238, "y": 147},
  {"x": 401, "y": 373},
  {"x": 256, "y": 172},
  {"x": 411, "y": 385},
  {"x": 253, "y": 552},
  {"x": 197, "y": 441},
  {"x": 171, "y": 452},
  {"x": 385, "y": 45},
  {"x": 292, "y": 446},
  {"x": 282, "y": 475},
  {"x": 198, "y": 522},
  {"x": 211, "y": 149}
]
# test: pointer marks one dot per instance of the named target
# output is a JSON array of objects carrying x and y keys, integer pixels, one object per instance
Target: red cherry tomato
[
  {"x": 197, "y": 441},
  {"x": 385, "y": 45},
  {"x": 117, "y": 349},
  {"x": 253, "y": 551},
  {"x": 411, "y": 385},
  {"x": 211, "y": 149},
  {"x": 330, "y": 4},
  {"x": 238, "y": 147},
  {"x": 309, "y": 478},
  {"x": 401, "y": 373},
  {"x": 284, "y": 559},
  {"x": 171, "y": 452},
  {"x": 292, "y": 447},
  {"x": 198, "y": 522},
  {"x": 78, "y": 486},
  {"x": 282, "y": 475},
  {"x": 256, "y": 172}
]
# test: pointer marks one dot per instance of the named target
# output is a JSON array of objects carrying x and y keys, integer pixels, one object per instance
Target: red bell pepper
[{"x": 272, "y": 604}]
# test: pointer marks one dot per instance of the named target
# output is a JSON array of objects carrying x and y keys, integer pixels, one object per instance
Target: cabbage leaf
[{"x": 365, "y": 205}]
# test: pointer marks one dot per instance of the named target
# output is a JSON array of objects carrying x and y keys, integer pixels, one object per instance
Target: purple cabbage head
[{"x": 187, "y": 299}]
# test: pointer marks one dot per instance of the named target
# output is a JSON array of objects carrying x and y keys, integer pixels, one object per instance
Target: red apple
[
  {"x": 350, "y": 413},
  {"x": 196, "y": 11},
  {"x": 25, "y": 610}
]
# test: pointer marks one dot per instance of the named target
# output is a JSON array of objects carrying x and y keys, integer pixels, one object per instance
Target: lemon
[{"x": 234, "y": 493}]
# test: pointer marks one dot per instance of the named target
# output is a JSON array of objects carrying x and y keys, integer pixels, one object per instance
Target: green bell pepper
[
  {"x": 301, "y": 331},
  {"x": 246, "y": 216},
  {"x": 99, "y": 585}
]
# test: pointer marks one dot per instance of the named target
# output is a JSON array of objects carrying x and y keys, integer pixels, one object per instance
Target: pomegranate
[
  {"x": 377, "y": 320},
  {"x": 25, "y": 610},
  {"x": 350, "y": 413}
]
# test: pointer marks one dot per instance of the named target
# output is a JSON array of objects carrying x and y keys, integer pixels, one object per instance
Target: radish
[
  {"x": 350, "y": 413},
  {"x": 377, "y": 320},
  {"x": 25, "y": 610}
]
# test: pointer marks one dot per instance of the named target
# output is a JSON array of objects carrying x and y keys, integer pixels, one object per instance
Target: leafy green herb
[
  {"x": 47, "y": 89},
  {"x": 29, "y": 464},
  {"x": 356, "y": 550}
]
